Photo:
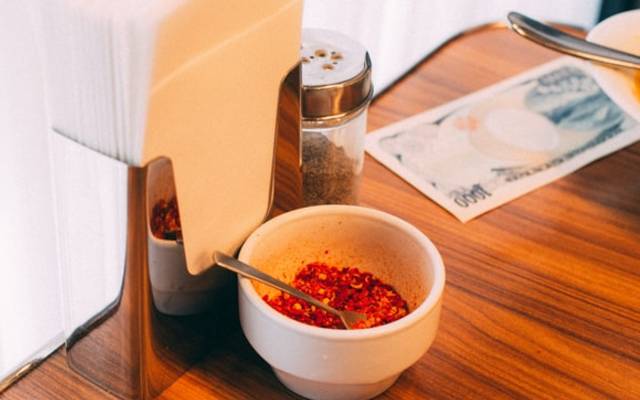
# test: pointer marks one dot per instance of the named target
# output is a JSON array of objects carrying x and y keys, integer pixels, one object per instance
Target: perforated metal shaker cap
[{"x": 336, "y": 75}]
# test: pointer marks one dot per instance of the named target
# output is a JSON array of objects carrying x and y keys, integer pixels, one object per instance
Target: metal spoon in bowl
[
  {"x": 348, "y": 318},
  {"x": 557, "y": 40}
]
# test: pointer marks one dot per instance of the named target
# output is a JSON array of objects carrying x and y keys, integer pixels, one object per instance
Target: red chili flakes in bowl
[
  {"x": 344, "y": 289},
  {"x": 165, "y": 220}
]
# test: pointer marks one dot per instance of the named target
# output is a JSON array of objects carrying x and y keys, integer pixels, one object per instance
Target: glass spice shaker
[{"x": 336, "y": 91}]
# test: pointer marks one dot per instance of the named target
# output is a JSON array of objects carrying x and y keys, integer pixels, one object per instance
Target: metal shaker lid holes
[{"x": 336, "y": 75}]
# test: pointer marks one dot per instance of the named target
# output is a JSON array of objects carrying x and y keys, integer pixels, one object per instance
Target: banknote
[{"x": 483, "y": 150}]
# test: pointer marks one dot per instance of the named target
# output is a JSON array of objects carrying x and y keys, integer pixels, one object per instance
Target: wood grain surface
[{"x": 542, "y": 298}]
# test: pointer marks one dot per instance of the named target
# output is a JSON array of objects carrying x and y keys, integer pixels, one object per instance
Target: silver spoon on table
[
  {"x": 557, "y": 40},
  {"x": 348, "y": 318}
]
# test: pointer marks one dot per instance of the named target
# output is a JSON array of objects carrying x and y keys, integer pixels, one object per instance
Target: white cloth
[{"x": 30, "y": 299}]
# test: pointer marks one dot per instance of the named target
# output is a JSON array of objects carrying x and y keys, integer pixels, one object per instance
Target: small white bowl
[
  {"x": 175, "y": 291},
  {"x": 321, "y": 363},
  {"x": 622, "y": 32}
]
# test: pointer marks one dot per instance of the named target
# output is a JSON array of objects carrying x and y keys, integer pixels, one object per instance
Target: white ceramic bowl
[
  {"x": 621, "y": 31},
  {"x": 175, "y": 291},
  {"x": 321, "y": 363}
]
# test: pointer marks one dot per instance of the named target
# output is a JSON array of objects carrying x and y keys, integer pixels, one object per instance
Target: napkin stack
[
  {"x": 99, "y": 57},
  {"x": 196, "y": 81}
]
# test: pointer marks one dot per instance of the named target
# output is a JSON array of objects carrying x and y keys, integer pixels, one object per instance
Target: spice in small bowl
[
  {"x": 174, "y": 290},
  {"x": 363, "y": 244},
  {"x": 345, "y": 288},
  {"x": 165, "y": 219}
]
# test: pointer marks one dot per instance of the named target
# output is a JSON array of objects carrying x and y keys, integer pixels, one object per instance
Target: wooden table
[{"x": 542, "y": 298}]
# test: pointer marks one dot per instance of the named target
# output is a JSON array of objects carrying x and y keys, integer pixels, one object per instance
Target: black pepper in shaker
[{"x": 336, "y": 91}]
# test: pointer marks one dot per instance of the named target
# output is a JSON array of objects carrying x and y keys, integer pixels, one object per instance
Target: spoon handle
[
  {"x": 557, "y": 40},
  {"x": 248, "y": 271}
]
